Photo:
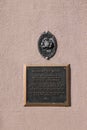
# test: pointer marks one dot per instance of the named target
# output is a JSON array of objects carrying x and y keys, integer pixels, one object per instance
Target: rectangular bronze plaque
[{"x": 47, "y": 85}]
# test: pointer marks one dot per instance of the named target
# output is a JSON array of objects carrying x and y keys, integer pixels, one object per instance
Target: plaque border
[{"x": 67, "y": 103}]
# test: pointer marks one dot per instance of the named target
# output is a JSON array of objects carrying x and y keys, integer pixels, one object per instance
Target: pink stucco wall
[{"x": 21, "y": 23}]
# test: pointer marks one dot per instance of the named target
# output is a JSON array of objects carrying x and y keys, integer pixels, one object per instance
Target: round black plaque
[{"x": 47, "y": 45}]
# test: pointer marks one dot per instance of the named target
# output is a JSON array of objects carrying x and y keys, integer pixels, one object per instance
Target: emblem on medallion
[{"x": 47, "y": 45}]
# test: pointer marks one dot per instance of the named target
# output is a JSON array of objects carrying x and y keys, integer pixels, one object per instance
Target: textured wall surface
[{"x": 21, "y": 23}]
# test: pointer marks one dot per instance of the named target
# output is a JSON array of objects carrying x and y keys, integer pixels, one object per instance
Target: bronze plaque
[{"x": 47, "y": 85}]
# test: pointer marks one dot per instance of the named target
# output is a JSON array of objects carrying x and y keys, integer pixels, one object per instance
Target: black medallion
[{"x": 47, "y": 45}]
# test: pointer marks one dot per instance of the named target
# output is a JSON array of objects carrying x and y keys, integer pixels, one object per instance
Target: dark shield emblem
[{"x": 47, "y": 45}]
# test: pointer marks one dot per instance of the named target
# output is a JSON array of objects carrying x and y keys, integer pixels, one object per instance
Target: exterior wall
[{"x": 21, "y": 24}]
